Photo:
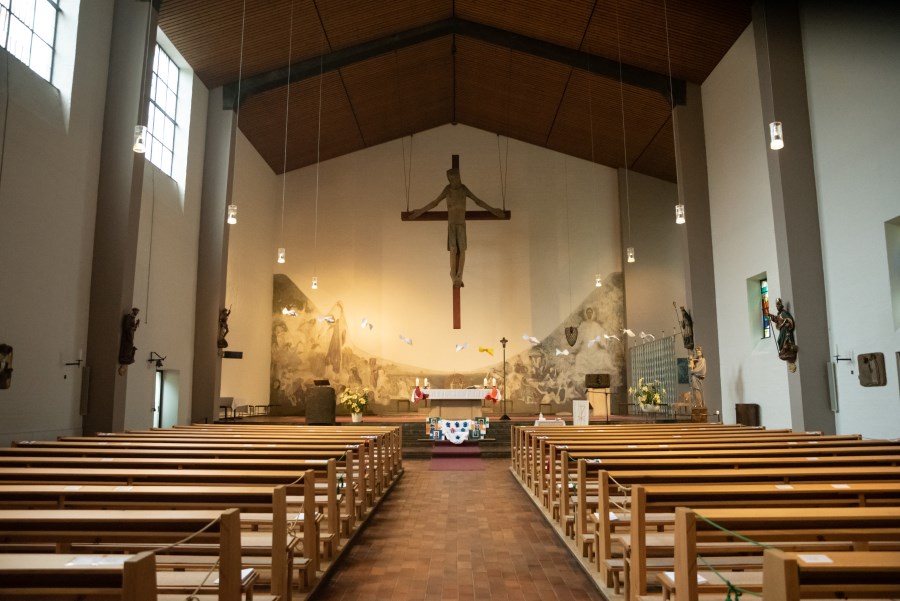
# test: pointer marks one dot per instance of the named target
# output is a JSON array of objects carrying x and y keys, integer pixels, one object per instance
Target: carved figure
[
  {"x": 6, "y": 359},
  {"x": 130, "y": 323},
  {"x": 697, "y": 365},
  {"x": 223, "y": 328},
  {"x": 784, "y": 322},
  {"x": 687, "y": 329},
  {"x": 456, "y": 193}
]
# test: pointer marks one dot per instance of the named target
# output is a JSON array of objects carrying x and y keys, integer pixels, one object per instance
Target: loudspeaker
[{"x": 596, "y": 380}]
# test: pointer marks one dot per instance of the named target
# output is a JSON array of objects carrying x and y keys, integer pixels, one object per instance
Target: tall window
[
  {"x": 28, "y": 32},
  {"x": 764, "y": 307},
  {"x": 161, "y": 114}
]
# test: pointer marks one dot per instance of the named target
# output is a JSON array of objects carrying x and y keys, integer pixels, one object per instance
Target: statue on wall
[
  {"x": 223, "y": 328},
  {"x": 456, "y": 193},
  {"x": 687, "y": 328},
  {"x": 784, "y": 322},
  {"x": 130, "y": 323},
  {"x": 6, "y": 358}
]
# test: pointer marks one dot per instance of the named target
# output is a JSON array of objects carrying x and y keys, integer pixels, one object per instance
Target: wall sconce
[
  {"x": 598, "y": 281},
  {"x": 679, "y": 214},
  {"x": 315, "y": 283},
  {"x": 232, "y": 215},
  {"x": 629, "y": 252},
  {"x": 281, "y": 255},
  {"x": 157, "y": 359},
  {"x": 140, "y": 139},
  {"x": 776, "y": 135}
]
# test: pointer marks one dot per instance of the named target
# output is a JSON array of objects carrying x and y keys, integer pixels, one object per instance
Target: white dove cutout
[
  {"x": 613, "y": 336},
  {"x": 328, "y": 318},
  {"x": 291, "y": 312},
  {"x": 559, "y": 352},
  {"x": 629, "y": 332},
  {"x": 646, "y": 336},
  {"x": 530, "y": 339},
  {"x": 366, "y": 324},
  {"x": 460, "y": 347},
  {"x": 593, "y": 340},
  {"x": 405, "y": 339}
]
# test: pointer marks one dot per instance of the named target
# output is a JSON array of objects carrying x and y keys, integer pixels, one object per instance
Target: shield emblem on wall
[{"x": 571, "y": 335}]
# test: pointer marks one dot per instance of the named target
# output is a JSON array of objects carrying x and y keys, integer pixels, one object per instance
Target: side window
[
  {"x": 28, "y": 32},
  {"x": 161, "y": 117}
]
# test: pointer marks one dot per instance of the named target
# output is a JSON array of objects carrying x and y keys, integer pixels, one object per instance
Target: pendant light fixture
[
  {"x": 776, "y": 135},
  {"x": 140, "y": 130},
  {"x": 287, "y": 110},
  {"x": 629, "y": 252},
  {"x": 315, "y": 280},
  {"x": 679, "y": 208},
  {"x": 232, "y": 208}
]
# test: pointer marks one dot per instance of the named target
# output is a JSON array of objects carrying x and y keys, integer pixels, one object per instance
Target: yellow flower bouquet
[{"x": 355, "y": 400}]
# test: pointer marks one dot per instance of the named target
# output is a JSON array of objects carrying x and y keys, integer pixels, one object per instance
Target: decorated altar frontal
[
  {"x": 458, "y": 403},
  {"x": 457, "y": 431}
]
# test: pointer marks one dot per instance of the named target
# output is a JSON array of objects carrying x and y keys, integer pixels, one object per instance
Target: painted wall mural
[{"x": 310, "y": 342}]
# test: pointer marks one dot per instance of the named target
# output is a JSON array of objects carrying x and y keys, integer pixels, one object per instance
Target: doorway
[{"x": 165, "y": 405}]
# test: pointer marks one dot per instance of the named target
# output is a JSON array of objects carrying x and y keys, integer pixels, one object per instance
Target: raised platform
[{"x": 416, "y": 444}]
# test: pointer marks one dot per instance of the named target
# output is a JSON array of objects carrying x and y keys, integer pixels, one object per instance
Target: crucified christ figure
[{"x": 456, "y": 193}]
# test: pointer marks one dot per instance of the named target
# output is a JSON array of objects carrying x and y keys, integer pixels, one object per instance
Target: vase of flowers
[
  {"x": 355, "y": 400},
  {"x": 648, "y": 395}
]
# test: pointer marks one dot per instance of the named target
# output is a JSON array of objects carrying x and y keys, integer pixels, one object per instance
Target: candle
[
  {"x": 485, "y": 382},
  {"x": 417, "y": 381},
  {"x": 426, "y": 382},
  {"x": 493, "y": 381}
]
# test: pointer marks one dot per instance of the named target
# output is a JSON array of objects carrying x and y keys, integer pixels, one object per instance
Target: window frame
[
  {"x": 154, "y": 106},
  {"x": 7, "y": 7}
]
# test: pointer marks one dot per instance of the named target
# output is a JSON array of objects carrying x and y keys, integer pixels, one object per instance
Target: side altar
[{"x": 456, "y": 403}]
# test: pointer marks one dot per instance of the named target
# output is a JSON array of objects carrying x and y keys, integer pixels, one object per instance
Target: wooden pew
[
  {"x": 861, "y": 526},
  {"x": 793, "y": 576},
  {"x": 273, "y": 501},
  {"x": 100, "y": 577},
  {"x": 65, "y": 527},
  {"x": 662, "y": 500}
]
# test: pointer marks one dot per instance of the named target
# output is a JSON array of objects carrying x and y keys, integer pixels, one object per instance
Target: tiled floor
[{"x": 445, "y": 535}]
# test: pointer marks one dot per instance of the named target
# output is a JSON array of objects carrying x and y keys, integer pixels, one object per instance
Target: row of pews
[
  {"x": 222, "y": 511},
  {"x": 701, "y": 511}
]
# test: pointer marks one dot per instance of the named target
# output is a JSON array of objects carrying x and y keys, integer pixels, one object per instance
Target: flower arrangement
[
  {"x": 354, "y": 399},
  {"x": 647, "y": 393}
]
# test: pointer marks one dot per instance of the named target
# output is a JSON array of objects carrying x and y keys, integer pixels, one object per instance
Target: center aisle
[{"x": 458, "y": 535}]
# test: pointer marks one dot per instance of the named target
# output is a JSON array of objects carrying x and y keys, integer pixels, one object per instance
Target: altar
[{"x": 456, "y": 403}]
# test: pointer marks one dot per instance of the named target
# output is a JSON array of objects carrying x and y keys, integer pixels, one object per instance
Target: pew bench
[
  {"x": 793, "y": 576},
  {"x": 43, "y": 575}
]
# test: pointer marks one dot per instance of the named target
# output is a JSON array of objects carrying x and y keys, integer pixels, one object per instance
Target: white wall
[
  {"x": 396, "y": 274},
  {"x": 48, "y": 198},
  {"x": 854, "y": 83},
  {"x": 743, "y": 235}
]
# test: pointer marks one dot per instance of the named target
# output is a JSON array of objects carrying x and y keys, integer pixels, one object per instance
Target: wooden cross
[{"x": 442, "y": 216}]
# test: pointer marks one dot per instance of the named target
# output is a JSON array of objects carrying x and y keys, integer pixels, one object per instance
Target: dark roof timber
[{"x": 592, "y": 63}]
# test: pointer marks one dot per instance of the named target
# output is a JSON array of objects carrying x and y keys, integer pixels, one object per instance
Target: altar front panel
[{"x": 456, "y": 403}]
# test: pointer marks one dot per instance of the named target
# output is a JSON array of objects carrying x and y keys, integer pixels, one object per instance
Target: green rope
[
  {"x": 726, "y": 530},
  {"x": 733, "y": 589}
]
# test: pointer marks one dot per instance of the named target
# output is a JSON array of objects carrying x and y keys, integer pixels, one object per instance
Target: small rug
[{"x": 448, "y": 457}]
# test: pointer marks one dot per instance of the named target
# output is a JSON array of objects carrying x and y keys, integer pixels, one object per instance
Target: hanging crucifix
[{"x": 456, "y": 195}]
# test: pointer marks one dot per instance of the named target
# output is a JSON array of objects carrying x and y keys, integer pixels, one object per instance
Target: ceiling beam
[{"x": 592, "y": 63}]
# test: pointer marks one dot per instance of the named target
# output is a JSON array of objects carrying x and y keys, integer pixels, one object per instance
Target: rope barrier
[{"x": 732, "y": 588}]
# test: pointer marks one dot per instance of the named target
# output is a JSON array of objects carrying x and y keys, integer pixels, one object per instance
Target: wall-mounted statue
[
  {"x": 687, "y": 329},
  {"x": 130, "y": 323},
  {"x": 223, "y": 328},
  {"x": 6, "y": 358},
  {"x": 456, "y": 194},
  {"x": 787, "y": 348}
]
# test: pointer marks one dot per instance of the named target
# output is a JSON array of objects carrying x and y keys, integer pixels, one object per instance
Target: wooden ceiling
[{"x": 544, "y": 72}]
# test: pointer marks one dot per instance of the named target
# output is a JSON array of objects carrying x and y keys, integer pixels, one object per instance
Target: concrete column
[
  {"x": 212, "y": 261},
  {"x": 118, "y": 211},
  {"x": 700, "y": 283},
  {"x": 801, "y": 283}
]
